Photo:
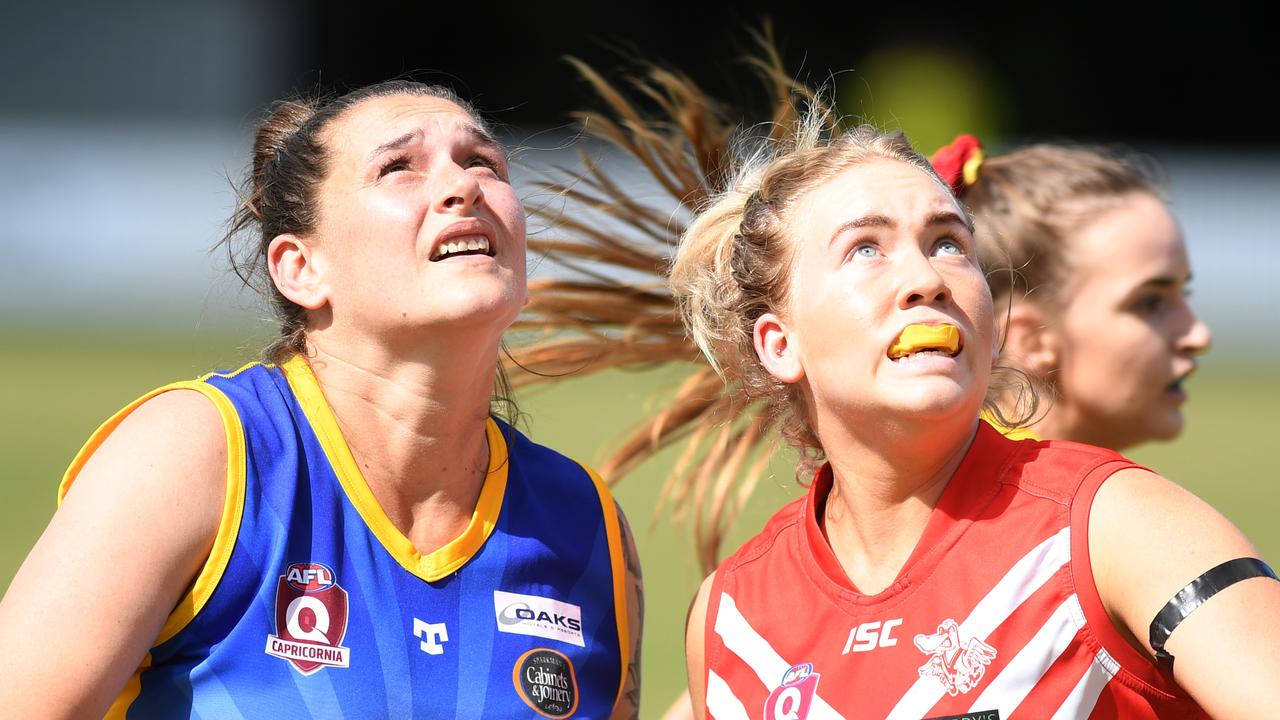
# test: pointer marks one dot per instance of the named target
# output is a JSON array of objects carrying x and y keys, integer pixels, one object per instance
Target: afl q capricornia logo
[{"x": 311, "y": 619}]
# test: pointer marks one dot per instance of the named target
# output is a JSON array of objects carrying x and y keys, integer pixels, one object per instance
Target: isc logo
[
  {"x": 871, "y": 635},
  {"x": 309, "y": 577}
]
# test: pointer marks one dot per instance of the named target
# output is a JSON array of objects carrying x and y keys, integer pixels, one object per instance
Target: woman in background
[{"x": 1090, "y": 272}]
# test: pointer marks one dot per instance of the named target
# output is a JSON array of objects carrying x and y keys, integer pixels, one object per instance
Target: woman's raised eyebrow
[
  {"x": 872, "y": 220},
  {"x": 945, "y": 218},
  {"x": 476, "y": 133},
  {"x": 939, "y": 218},
  {"x": 482, "y": 136},
  {"x": 396, "y": 144},
  {"x": 1165, "y": 281}
]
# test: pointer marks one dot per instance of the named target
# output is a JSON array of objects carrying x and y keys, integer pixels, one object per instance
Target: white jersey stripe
[
  {"x": 1084, "y": 695},
  {"x": 1024, "y": 578},
  {"x": 721, "y": 702},
  {"x": 742, "y": 640},
  {"x": 1015, "y": 681}
]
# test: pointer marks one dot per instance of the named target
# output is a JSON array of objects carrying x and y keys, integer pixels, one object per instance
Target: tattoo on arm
[{"x": 629, "y": 704}]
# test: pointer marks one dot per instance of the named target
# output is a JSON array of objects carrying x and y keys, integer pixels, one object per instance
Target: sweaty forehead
[
  {"x": 378, "y": 120},
  {"x": 884, "y": 188}
]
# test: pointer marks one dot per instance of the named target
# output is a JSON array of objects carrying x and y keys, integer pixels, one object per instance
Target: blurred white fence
[{"x": 112, "y": 223}]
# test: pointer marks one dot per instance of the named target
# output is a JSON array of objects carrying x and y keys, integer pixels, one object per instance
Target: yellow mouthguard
[{"x": 915, "y": 338}]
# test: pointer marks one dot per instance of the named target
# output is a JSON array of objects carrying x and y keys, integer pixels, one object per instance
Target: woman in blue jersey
[{"x": 345, "y": 530}]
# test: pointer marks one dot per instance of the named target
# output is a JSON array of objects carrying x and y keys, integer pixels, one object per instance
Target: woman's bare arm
[
  {"x": 695, "y": 647},
  {"x": 1148, "y": 538},
  {"x": 132, "y": 532},
  {"x": 628, "y": 707}
]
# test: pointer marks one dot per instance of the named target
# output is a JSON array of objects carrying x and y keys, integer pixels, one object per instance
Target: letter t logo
[{"x": 432, "y": 635}]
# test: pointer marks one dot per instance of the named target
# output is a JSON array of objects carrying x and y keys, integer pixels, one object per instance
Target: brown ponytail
[{"x": 1028, "y": 203}]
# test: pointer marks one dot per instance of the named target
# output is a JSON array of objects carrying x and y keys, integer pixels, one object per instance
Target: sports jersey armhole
[
  {"x": 618, "y": 567},
  {"x": 1123, "y": 661},
  {"x": 710, "y": 643},
  {"x": 224, "y": 541}
]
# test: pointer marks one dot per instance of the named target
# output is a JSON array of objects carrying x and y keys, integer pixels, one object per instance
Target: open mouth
[
  {"x": 1176, "y": 385},
  {"x": 1188, "y": 369},
  {"x": 920, "y": 340},
  {"x": 462, "y": 246}
]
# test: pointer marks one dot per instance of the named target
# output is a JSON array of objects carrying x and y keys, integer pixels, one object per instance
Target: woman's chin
[
  {"x": 935, "y": 401},
  {"x": 1163, "y": 428}
]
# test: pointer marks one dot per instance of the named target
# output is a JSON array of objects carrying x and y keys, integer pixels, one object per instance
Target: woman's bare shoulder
[{"x": 136, "y": 525}]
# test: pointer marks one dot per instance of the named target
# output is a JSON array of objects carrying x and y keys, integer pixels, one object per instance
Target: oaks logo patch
[
  {"x": 311, "y": 619},
  {"x": 546, "y": 682},
  {"x": 538, "y": 616},
  {"x": 792, "y": 698}
]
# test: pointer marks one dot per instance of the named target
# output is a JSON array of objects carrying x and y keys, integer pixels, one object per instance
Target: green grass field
[{"x": 59, "y": 385}]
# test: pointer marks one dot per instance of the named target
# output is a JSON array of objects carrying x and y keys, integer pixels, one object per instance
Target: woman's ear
[
  {"x": 1031, "y": 341},
  {"x": 296, "y": 272},
  {"x": 775, "y": 350}
]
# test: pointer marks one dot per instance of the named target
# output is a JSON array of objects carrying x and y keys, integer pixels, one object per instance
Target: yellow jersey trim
[
  {"x": 439, "y": 563},
  {"x": 1013, "y": 433},
  {"x": 215, "y": 565},
  {"x": 617, "y": 560},
  {"x": 132, "y": 689}
]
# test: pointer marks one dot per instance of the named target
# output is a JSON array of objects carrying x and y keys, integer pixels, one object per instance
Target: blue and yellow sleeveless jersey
[{"x": 313, "y": 605}]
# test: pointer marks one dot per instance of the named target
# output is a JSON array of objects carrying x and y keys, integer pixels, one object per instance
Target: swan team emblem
[{"x": 956, "y": 663}]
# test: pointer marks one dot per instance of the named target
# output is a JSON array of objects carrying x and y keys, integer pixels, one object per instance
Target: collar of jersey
[
  {"x": 432, "y": 566},
  {"x": 971, "y": 488}
]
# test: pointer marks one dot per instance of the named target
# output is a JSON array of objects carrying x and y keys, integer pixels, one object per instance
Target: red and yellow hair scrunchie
[{"x": 958, "y": 162}]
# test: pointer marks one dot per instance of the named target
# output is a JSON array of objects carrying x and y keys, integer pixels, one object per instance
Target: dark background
[
  {"x": 1176, "y": 76},
  {"x": 1171, "y": 76}
]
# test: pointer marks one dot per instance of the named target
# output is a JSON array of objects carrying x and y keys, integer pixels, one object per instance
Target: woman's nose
[
  {"x": 921, "y": 282},
  {"x": 458, "y": 190},
  {"x": 1197, "y": 339}
]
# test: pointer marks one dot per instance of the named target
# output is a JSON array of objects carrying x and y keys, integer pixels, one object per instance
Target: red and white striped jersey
[{"x": 994, "y": 615}]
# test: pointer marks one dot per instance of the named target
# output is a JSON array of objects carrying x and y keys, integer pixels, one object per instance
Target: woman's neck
[
  {"x": 1064, "y": 421},
  {"x": 416, "y": 428},
  {"x": 1056, "y": 418},
  {"x": 886, "y": 480}
]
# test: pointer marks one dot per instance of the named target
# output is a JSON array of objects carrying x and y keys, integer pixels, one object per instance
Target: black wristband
[{"x": 1195, "y": 593}]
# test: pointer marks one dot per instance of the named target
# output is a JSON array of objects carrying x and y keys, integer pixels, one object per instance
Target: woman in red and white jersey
[{"x": 935, "y": 569}]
